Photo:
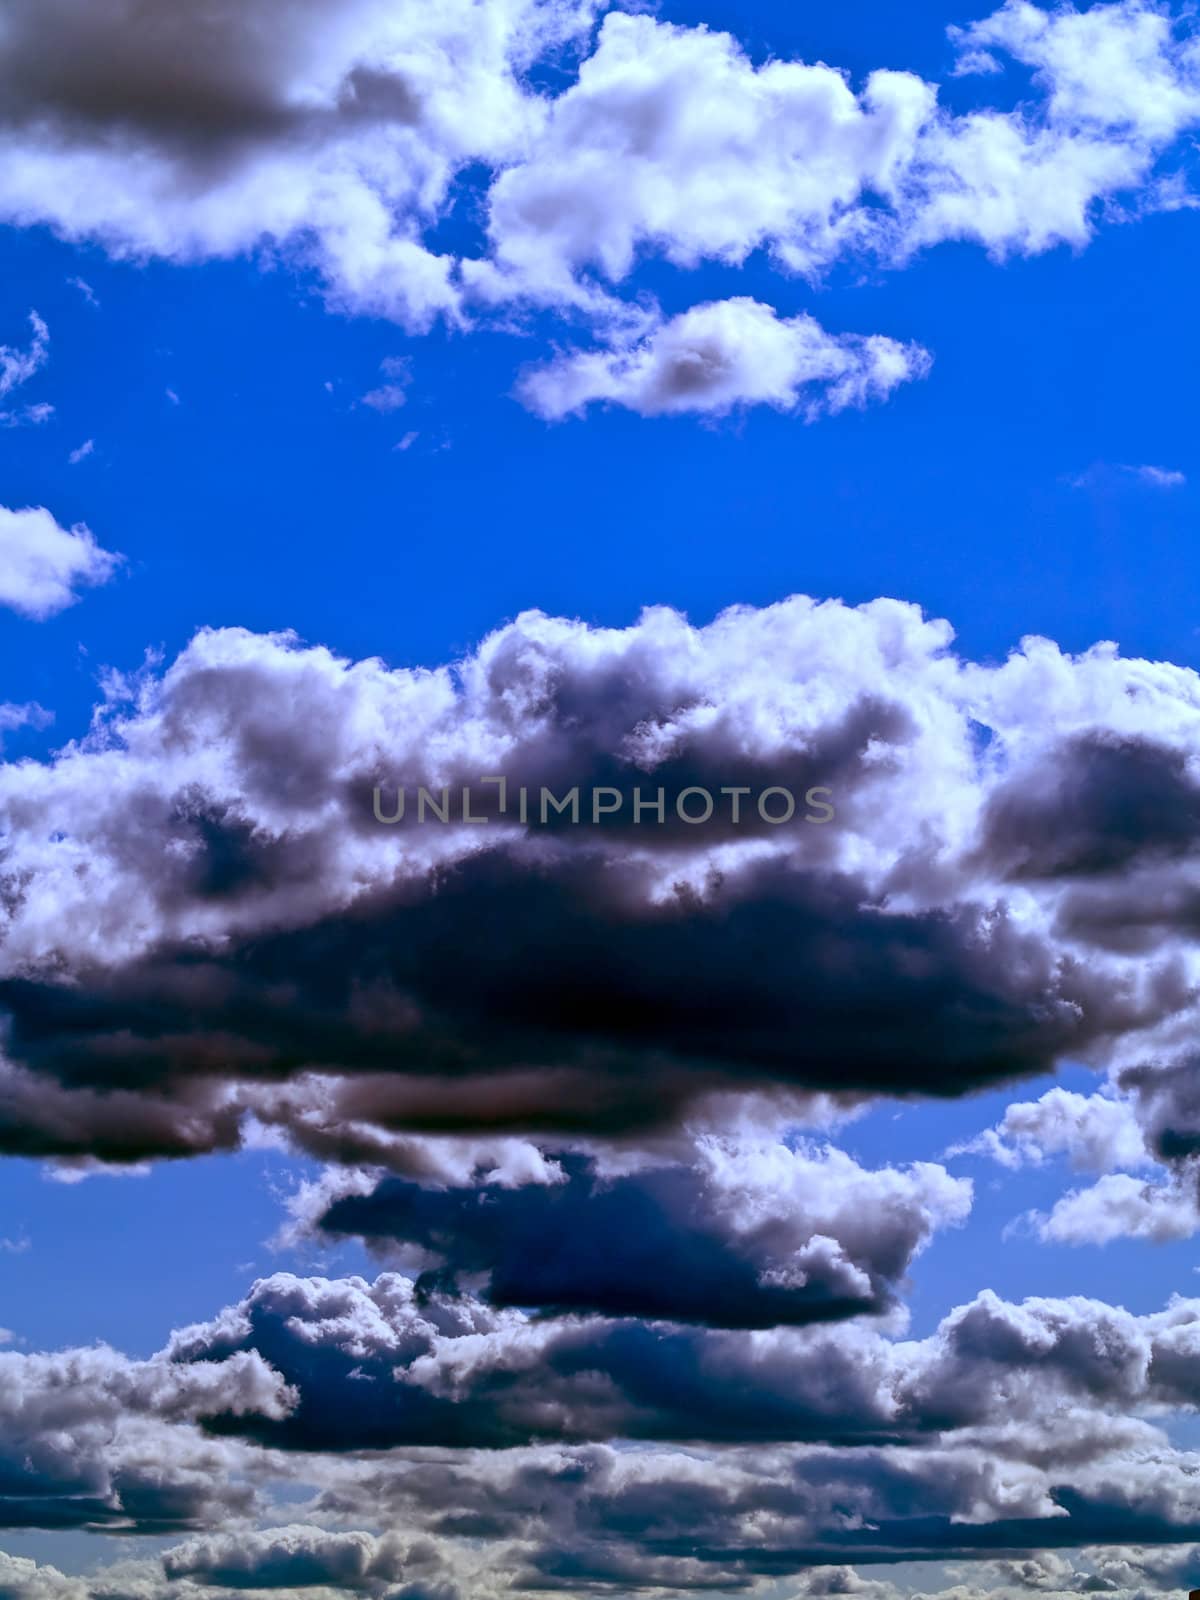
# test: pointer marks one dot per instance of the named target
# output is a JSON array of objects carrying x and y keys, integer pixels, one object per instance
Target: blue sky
[{"x": 454, "y": 405}]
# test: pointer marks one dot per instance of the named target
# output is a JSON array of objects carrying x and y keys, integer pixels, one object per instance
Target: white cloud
[
  {"x": 1120, "y": 1206},
  {"x": 339, "y": 139},
  {"x": 42, "y": 564},
  {"x": 1161, "y": 477},
  {"x": 1102, "y": 475},
  {"x": 86, "y": 449},
  {"x": 30, "y": 715},
  {"x": 18, "y": 366},
  {"x": 1096, "y": 1132},
  {"x": 388, "y": 397},
  {"x": 725, "y": 354}
]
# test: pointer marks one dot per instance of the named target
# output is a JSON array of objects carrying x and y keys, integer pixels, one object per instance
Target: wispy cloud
[
  {"x": 17, "y": 366},
  {"x": 87, "y": 448},
  {"x": 1160, "y": 477},
  {"x": 1103, "y": 473},
  {"x": 29, "y": 715}
]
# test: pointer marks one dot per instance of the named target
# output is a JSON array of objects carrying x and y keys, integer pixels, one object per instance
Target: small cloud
[
  {"x": 85, "y": 289},
  {"x": 1159, "y": 477},
  {"x": 173, "y": 397},
  {"x": 29, "y": 417},
  {"x": 388, "y": 397},
  {"x": 970, "y": 59},
  {"x": 407, "y": 442},
  {"x": 42, "y": 564},
  {"x": 18, "y": 366},
  {"x": 15, "y": 1247},
  {"x": 30, "y": 715},
  {"x": 1103, "y": 474},
  {"x": 76, "y": 1169},
  {"x": 87, "y": 448}
]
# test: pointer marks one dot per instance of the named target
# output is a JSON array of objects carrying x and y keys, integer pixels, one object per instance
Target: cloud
[
  {"x": 86, "y": 449},
  {"x": 1096, "y": 1132},
  {"x": 18, "y": 366},
  {"x": 390, "y": 396},
  {"x": 29, "y": 715},
  {"x": 341, "y": 134},
  {"x": 756, "y": 1233},
  {"x": 42, "y": 565},
  {"x": 1103, "y": 475},
  {"x": 1119, "y": 1206},
  {"x": 300, "y": 1557},
  {"x": 1010, "y": 1427},
  {"x": 376, "y": 1366},
  {"x": 90, "y": 1438},
  {"x": 725, "y": 354},
  {"x": 206, "y": 925},
  {"x": 884, "y": 172},
  {"x": 23, "y": 1579}
]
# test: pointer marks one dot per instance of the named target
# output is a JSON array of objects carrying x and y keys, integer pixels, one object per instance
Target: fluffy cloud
[
  {"x": 302, "y": 1557},
  {"x": 204, "y": 921},
  {"x": 333, "y": 130},
  {"x": 368, "y": 1366},
  {"x": 727, "y": 354},
  {"x": 1009, "y": 1427},
  {"x": 339, "y": 134},
  {"x": 89, "y": 1438},
  {"x": 1096, "y": 1132},
  {"x": 756, "y": 1233},
  {"x": 1119, "y": 1206},
  {"x": 41, "y": 564}
]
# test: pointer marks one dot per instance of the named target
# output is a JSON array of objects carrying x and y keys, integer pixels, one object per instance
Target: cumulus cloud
[
  {"x": 90, "y": 1438},
  {"x": 342, "y": 134},
  {"x": 368, "y": 1366},
  {"x": 303, "y": 1557},
  {"x": 543, "y": 1448},
  {"x": 1119, "y": 1206},
  {"x": 756, "y": 1233},
  {"x": 206, "y": 923},
  {"x": 42, "y": 564},
  {"x": 1096, "y": 1132},
  {"x": 725, "y": 354}
]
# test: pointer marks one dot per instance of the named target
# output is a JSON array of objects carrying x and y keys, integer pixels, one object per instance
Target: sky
[{"x": 622, "y": 401}]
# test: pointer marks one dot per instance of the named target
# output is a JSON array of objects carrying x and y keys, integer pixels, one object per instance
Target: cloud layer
[{"x": 340, "y": 135}]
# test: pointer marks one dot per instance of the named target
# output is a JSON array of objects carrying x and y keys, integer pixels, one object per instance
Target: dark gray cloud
[
  {"x": 1092, "y": 807},
  {"x": 827, "y": 1240},
  {"x": 386, "y": 1365}
]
